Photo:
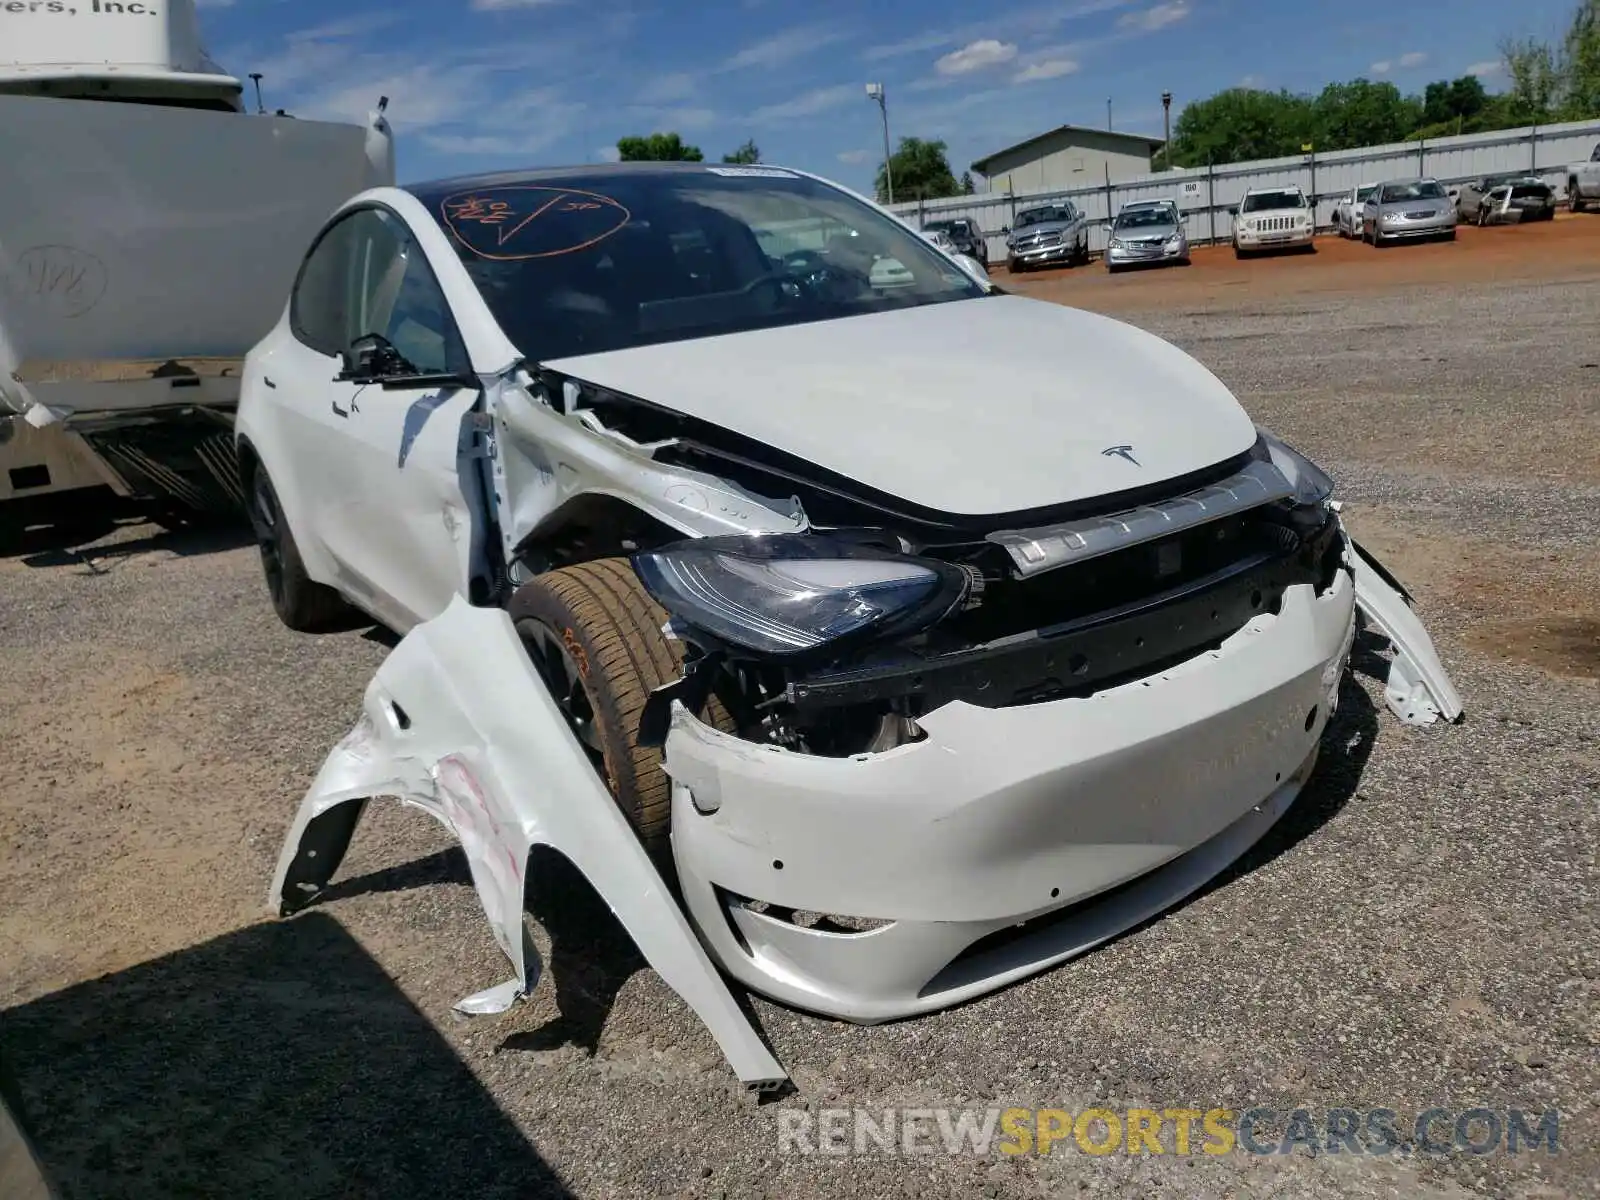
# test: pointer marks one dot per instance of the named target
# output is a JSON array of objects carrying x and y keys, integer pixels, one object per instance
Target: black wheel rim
[
  {"x": 268, "y": 537},
  {"x": 559, "y": 670}
]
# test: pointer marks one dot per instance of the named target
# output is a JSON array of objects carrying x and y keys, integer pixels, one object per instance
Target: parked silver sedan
[
  {"x": 1407, "y": 209},
  {"x": 1147, "y": 231}
]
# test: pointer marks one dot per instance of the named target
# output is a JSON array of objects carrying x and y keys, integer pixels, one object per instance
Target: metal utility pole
[
  {"x": 875, "y": 92},
  {"x": 1108, "y": 114},
  {"x": 255, "y": 77},
  {"x": 1166, "y": 130}
]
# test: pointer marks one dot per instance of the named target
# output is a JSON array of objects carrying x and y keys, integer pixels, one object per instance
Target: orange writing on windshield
[{"x": 509, "y": 224}]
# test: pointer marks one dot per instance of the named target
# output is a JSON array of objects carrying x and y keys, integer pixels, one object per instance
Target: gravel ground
[{"x": 1420, "y": 930}]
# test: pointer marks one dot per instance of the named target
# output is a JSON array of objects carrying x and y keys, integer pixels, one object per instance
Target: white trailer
[{"x": 149, "y": 232}]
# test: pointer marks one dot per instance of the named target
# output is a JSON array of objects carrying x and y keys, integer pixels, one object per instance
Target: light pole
[
  {"x": 875, "y": 92},
  {"x": 1166, "y": 130},
  {"x": 1108, "y": 114}
]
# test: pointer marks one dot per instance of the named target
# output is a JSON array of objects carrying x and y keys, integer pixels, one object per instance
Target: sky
[{"x": 478, "y": 85}]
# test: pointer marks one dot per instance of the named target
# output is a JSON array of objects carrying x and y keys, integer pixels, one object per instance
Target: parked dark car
[
  {"x": 966, "y": 235},
  {"x": 1499, "y": 199}
]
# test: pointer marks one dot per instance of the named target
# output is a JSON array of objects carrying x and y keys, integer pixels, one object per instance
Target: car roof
[
  {"x": 590, "y": 171},
  {"x": 1149, "y": 204}
]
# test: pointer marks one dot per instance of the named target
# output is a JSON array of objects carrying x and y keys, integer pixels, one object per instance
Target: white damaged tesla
[{"x": 860, "y": 630}]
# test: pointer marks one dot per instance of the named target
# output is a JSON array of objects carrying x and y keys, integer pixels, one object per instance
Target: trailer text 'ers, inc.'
[{"x": 723, "y": 548}]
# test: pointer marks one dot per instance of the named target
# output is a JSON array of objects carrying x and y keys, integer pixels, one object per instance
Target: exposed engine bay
[{"x": 966, "y": 609}]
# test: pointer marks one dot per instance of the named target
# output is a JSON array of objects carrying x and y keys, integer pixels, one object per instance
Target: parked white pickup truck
[{"x": 1583, "y": 182}]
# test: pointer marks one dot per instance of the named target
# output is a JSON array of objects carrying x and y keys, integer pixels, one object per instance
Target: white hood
[{"x": 975, "y": 407}]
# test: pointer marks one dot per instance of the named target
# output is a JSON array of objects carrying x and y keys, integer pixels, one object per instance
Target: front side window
[{"x": 592, "y": 261}]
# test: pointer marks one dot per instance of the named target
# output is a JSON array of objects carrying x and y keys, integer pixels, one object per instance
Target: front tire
[
  {"x": 301, "y": 603},
  {"x": 594, "y": 635}
]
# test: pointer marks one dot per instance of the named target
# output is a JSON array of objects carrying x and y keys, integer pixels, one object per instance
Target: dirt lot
[{"x": 1421, "y": 929}]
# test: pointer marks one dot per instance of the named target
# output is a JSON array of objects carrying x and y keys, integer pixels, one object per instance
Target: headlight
[
  {"x": 788, "y": 595},
  {"x": 1172, "y": 242},
  {"x": 1116, "y": 244},
  {"x": 1311, "y": 484}
]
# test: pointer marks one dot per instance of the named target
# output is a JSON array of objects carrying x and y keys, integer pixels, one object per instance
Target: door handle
[
  {"x": 267, "y": 379},
  {"x": 337, "y": 411}
]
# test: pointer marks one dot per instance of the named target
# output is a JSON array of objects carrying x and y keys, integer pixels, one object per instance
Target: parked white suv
[
  {"x": 1277, "y": 218},
  {"x": 705, "y": 546}
]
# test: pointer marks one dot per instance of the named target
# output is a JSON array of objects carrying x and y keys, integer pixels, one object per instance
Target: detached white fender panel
[
  {"x": 457, "y": 723},
  {"x": 1418, "y": 690}
]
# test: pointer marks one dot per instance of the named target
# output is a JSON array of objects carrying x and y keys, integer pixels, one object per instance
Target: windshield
[
  {"x": 1035, "y": 216},
  {"x": 1262, "y": 201},
  {"x": 1425, "y": 189},
  {"x": 1145, "y": 218},
  {"x": 589, "y": 261},
  {"x": 1365, "y": 194}
]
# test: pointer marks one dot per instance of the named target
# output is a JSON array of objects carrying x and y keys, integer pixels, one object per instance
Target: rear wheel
[
  {"x": 301, "y": 603},
  {"x": 594, "y": 635}
]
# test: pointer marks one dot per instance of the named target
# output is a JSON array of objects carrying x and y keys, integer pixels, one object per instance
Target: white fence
[{"x": 1206, "y": 193}]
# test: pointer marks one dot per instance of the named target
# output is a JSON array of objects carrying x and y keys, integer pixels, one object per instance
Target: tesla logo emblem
[{"x": 1120, "y": 452}]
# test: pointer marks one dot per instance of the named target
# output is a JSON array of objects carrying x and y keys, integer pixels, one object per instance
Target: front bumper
[
  {"x": 1277, "y": 239},
  {"x": 1008, "y": 839},
  {"x": 1040, "y": 255},
  {"x": 1128, "y": 256},
  {"x": 1393, "y": 229}
]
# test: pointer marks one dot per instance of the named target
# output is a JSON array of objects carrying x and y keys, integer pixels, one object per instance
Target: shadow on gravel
[
  {"x": 591, "y": 955},
  {"x": 67, "y": 532},
  {"x": 278, "y": 1061}
]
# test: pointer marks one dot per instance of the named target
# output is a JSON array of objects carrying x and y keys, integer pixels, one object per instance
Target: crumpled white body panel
[
  {"x": 1418, "y": 689},
  {"x": 457, "y": 723}
]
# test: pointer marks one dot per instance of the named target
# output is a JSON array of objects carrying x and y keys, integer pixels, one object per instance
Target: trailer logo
[
  {"x": 1120, "y": 452},
  {"x": 61, "y": 281}
]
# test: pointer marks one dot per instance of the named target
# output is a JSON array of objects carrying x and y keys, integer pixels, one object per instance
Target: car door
[
  {"x": 1591, "y": 173},
  {"x": 411, "y": 533}
]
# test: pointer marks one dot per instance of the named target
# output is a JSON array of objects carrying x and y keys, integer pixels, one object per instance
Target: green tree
[
  {"x": 1580, "y": 64},
  {"x": 658, "y": 147},
  {"x": 966, "y": 183},
  {"x": 1535, "y": 80},
  {"x": 1242, "y": 123},
  {"x": 1362, "y": 113},
  {"x": 1454, "y": 102},
  {"x": 746, "y": 154},
  {"x": 921, "y": 172}
]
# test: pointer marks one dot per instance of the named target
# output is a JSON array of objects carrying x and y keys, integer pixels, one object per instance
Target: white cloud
[
  {"x": 667, "y": 89},
  {"x": 1157, "y": 17},
  {"x": 1413, "y": 58},
  {"x": 810, "y": 103},
  {"x": 608, "y": 154},
  {"x": 1251, "y": 81},
  {"x": 1051, "y": 68},
  {"x": 977, "y": 56},
  {"x": 912, "y": 45},
  {"x": 785, "y": 46},
  {"x": 1487, "y": 68},
  {"x": 854, "y": 157}
]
